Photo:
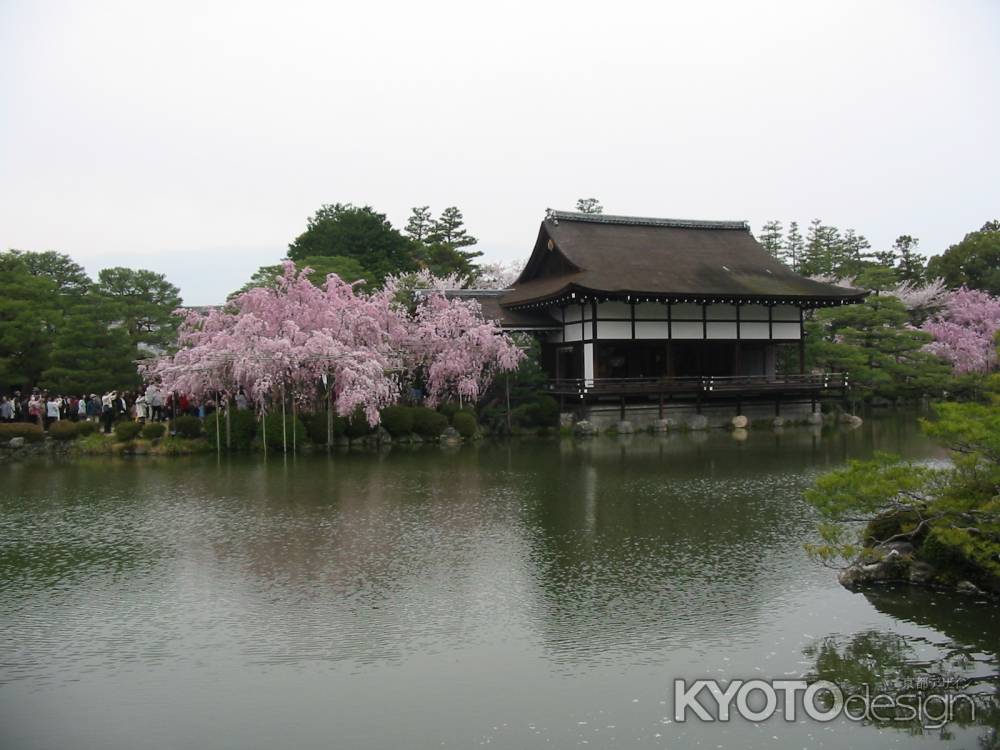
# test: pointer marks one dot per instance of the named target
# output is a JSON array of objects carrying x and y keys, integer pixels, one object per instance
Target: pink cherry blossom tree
[
  {"x": 456, "y": 350},
  {"x": 295, "y": 337},
  {"x": 288, "y": 338},
  {"x": 964, "y": 331}
]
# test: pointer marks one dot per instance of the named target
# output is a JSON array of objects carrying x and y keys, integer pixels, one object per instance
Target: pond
[{"x": 522, "y": 594}]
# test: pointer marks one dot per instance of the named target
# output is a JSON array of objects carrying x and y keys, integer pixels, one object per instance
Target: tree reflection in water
[{"x": 917, "y": 663}]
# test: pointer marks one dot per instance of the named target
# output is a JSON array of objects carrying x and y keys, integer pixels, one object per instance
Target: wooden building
[{"x": 651, "y": 308}]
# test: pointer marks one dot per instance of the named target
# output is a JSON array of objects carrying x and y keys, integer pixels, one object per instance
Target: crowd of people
[{"x": 150, "y": 405}]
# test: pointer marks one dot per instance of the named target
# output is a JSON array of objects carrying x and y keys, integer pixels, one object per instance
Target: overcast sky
[{"x": 195, "y": 138}]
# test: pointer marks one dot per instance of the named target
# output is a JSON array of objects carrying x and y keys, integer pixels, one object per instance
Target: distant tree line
[
  {"x": 927, "y": 328},
  {"x": 826, "y": 251},
  {"x": 68, "y": 333},
  {"x": 360, "y": 244}
]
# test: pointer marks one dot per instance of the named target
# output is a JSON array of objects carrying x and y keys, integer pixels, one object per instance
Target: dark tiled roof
[
  {"x": 618, "y": 255},
  {"x": 510, "y": 320},
  {"x": 556, "y": 216}
]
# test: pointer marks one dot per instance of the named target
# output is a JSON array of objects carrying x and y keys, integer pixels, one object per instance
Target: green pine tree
[
  {"x": 589, "y": 206},
  {"x": 144, "y": 302},
  {"x": 875, "y": 345},
  {"x": 910, "y": 263},
  {"x": 356, "y": 232},
  {"x": 794, "y": 247},
  {"x": 449, "y": 229},
  {"x": 419, "y": 225},
  {"x": 92, "y": 352},
  {"x": 771, "y": 238}
]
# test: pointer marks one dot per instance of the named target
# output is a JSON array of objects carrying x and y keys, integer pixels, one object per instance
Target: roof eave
[{"x": 573, "y": 292}]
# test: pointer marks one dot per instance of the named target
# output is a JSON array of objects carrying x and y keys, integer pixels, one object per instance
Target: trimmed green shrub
[
  {"x": 63, "y": 430},
  {"x": 242, "y": 429},
  {"x": 186, "y": 426},
  {"x": 465, "y": 423},
  {"x": 93, "y": 445},
  {"x": 153, "y": 430},
  {"x": 32, "y": 433},
  {"x": 176, "y": 446},
  {"x": 295, "y": 432},
  {"x": 547, "y": 411},
  {"x": 449, "y": 409},
  {"x": 125, "y": 431},
  {"x": 428, "y": 423},
  {"x": 357, "y": 425},
  {"x": 86, "y": 428},
  {"x": 397, "y": 420},
  {"x": 543, "y": 411},
  {"x": 316, "y": 427}
]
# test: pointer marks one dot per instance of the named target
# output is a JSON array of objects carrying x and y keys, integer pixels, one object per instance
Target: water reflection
[
  {"x": 939, "y": 677},
  {"x": 540, "y": 581}
]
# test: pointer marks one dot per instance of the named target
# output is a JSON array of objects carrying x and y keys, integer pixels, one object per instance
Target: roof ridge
[{"x": 648, "y": 221}]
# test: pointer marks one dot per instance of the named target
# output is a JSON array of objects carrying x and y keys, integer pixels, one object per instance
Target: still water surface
[{"x": 519, "y": 595}]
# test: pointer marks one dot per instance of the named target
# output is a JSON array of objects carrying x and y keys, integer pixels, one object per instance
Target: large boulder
[
  {"x": 815, "y": 417},
  {"x": 624, "y": 427},
  {"x": 16, "y": 442},
  {"x": 778, "y": 423},
  {"x": 584, "y": 428},
  {"x": 860, "y": 575},
  {"x": 850, "y": 420},
  {"x": 739, "y": 422},
  {"x": 697, "y": 422},
  {"x": 968, "y": 587}
]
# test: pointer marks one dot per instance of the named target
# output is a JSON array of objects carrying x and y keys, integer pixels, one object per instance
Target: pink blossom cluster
[
  {"x": 456, "y": 349},
  {"x": 964, "y": 331},
  {"x": 300, "y": 339}
]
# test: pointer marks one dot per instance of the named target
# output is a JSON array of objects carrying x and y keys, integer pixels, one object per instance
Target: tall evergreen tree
[
  {"x": 589, "y": 206},
  {"x": 67, "y": 275},
  {"x": 92, "y": 351},
  {"x": 910, "y": 263},
  {"x": 449, "y": 229},
  {"x": 30, "y": 310},
  {"x": 356, "y": 232},
  {"x": 771, "y": 238},
  {"x": 145, "y": 302},
  {"x": 974, "y": 262},
  {"x": 854, "y": 249},
  {"x": 420, "y": 223},
  {"x": 875, "y": 343},
  {"x": 822, "y": 251},
  {"x": 794, "y": 247}
]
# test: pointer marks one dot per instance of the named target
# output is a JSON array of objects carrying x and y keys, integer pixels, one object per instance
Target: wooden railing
[{"x": 706, "y": 384}]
